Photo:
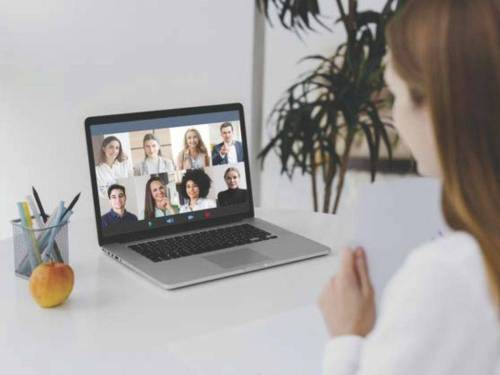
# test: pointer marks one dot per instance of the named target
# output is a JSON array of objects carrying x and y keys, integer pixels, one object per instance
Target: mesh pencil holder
[{"x": 32, "y": 245}]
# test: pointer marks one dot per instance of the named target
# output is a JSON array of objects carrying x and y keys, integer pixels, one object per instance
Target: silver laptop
[{"x": 173, "y": 197}]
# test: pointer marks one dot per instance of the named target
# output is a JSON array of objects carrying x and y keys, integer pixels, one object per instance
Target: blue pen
[
  {"x": 46, "y": 233},
  {"x": 53, "y": 232},
  {"x": 57, "y": 252}
]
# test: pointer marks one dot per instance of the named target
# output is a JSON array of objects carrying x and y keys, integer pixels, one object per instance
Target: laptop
[{"x": 173, "y": 197}]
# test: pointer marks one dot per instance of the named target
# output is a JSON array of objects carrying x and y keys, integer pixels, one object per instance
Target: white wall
[
  {"x": 63, "y": 60},
  {"x": 283, "y": 50}
]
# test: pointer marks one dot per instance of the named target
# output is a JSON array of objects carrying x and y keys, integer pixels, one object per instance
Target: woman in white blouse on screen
[
  {"x": 113, "y": 164},
  {"x": 440, "y": 313},
  {"x": 194, "y": 154},
  {"x": 194, "y": 188},
  {"x": 153, "y": 162}
]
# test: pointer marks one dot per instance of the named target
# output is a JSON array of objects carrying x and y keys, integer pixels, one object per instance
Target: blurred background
[{"x": 62, "y": 61}]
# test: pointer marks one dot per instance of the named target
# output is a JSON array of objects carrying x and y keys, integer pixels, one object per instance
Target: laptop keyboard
[{"x": 201, "y": 242}]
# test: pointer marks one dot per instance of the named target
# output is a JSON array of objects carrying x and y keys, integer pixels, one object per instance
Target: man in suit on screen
[{"x": 229, "y": 151}]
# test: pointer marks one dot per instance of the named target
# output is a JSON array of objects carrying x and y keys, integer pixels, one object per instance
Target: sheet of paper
[{"x": 393, "y": 218}]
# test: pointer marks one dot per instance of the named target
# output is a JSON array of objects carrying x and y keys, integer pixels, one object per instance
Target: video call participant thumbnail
[
  {"x": 113, "y": 164},
  {"x": 229, "y": 151},
  {"x": 153, "y": 161},
  {"x": 233, "y": 194},
  {"x": 157, "y": 203},
  {"x": 194, "y": 189},
  {"x": 117, "y": 214},
  {"x": 195, "y": 153}
]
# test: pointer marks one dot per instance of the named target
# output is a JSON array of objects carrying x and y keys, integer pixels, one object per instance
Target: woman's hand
[
  {"x": 165, "y": 203},
  {"x": 347, "y": 301}
]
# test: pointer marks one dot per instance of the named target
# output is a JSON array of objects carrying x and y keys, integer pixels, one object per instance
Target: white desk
[{"x": 116, "y": 322}]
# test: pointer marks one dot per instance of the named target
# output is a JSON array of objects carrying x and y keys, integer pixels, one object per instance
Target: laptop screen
[{"x": 167, "y": 169}]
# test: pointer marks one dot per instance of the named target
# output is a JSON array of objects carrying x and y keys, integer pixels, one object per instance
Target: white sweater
[{"x": 436, "y": 317}]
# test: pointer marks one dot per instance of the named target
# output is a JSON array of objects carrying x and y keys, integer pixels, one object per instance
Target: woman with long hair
[
  {"x": 194, "y": 154},
  {"x": 113, "y": 163},
  {"x": 157, "y": 202},
  {"x": 153, "y": 162},
  {"x": 440, "y": 313}
]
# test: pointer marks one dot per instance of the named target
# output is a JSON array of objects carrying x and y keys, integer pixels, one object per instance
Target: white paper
[{"x": 393, "y": 218}]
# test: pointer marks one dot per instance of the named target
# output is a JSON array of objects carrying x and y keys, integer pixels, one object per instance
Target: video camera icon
[{"x": 169, "y": 220}]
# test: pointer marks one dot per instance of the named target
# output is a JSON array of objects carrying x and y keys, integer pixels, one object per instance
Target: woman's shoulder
[
  {"x": 455, "y": 249},
  {"x": 165, "y": 160},
  {"x": 139, "y": 166},
  {"x": 126, "y": 162},
  {"x": 206, "y": 203},
  {"x": 223, "y": 193},
  {"x": 456, "y": 255},
  {"x": 103, "y": 171}
]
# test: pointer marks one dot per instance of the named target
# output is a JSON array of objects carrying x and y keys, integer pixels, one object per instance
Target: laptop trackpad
[{"x": 237, "y": 258}]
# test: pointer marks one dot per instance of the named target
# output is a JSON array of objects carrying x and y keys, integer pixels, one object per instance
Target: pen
[
  {"x": 71, "y": 205},
  {"x": 53, "y": 232},
  {"x": 39, "y": 203}
]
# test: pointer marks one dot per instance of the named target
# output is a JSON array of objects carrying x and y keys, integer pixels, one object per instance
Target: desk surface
[{"x": 118, "y": 322}]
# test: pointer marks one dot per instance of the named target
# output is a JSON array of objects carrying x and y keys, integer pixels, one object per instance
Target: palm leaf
[{"x": 333, "y": 101}]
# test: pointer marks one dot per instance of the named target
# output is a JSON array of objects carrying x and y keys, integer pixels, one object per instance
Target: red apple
[{"x": 51, "y": 283}]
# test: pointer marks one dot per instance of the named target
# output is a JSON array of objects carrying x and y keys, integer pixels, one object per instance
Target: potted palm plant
[{"x": 317, "y": 120}]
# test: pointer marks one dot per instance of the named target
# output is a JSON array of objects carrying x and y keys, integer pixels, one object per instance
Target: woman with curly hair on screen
[{"x": 194, "y": 189}]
